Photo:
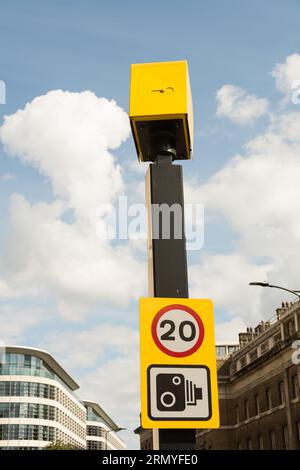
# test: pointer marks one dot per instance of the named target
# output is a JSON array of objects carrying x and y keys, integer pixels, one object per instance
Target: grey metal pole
[{"x": 167, "y": 262}]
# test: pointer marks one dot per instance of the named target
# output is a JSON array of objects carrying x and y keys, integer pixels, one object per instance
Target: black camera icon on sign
[{"x": 175, "y": 393}]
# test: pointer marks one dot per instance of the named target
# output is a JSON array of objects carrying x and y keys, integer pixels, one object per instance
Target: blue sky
[{"x": 78, "y": 46}]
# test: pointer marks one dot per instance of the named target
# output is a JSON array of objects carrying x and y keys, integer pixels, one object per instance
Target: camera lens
[
  {"x": 168, "y": 399},
  {"x": 176, "y": 380}
]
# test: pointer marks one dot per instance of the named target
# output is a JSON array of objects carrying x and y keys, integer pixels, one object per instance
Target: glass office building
[
  {"x": 101, "y": 429},
  {"x": 37, "y": 402},
  {"x": 38, "y": 406}
]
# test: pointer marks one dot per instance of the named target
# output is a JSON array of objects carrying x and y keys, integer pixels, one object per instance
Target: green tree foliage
[{"x": 60, "y": 446}]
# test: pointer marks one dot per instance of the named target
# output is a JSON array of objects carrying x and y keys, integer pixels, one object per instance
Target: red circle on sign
[{"x": 158, "y": 342}]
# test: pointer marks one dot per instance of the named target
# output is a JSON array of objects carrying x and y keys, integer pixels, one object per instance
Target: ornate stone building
[{"x": 259, "y": 388}]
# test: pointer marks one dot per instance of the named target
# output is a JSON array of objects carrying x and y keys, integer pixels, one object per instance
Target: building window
[
  {"x": 239, "y": 446},
  {"x": 92, "y": 416},
  {"x": 257, "y": 404},
  {"x": 285, "y": 436},
  {"x": 269, "y": 398},
  {"x": 260, "y": 442},
  {"x": 253, "y": 355},
  {"x": 264, "y": 347},
  {"x": 27, "y": 360},
  {"x": 277, "y": 338},
  {"x": 13, "y": 359},
  {"x": 246, "y": 409},
  {"x": 96, "y": 431},
  {"x": 281, "y": 393},
  {"x": 249, "y": 444},
  {"x": 272, "y": 440},
  {"x": 243, "y": 361},
  {"x": 237, "y": 414},
  {"x": 221, "y": 351},
  {"x": 27, "y": 410},
  {"x": 94, "y": 445},
  {"x": 291, "y": 327},
  {"x": 27, "y": 432},
  {"x": 26, "y": 389},
  {"x": 295, "y": 386},
  {"x": 4, "y": 410},
  {"x": 19, "y": 448},
  {"x": 25, "y": 364}
]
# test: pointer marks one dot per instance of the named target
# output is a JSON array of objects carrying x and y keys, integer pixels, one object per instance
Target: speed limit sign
[
  {"x": 177, "y": 330},
  {"x": 179, "y": 387}
]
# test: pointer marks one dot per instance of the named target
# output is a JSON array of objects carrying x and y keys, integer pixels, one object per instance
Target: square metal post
[{"x": 167, "y": 262}]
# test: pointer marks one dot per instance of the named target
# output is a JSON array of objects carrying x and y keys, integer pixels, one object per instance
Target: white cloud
[
  {"x": 225, "y": 279},
  {"x": 226, "y": 332},
  {"x": 67, "y": 137},
  {"x": 16, "y": 321},
  {"x": 257, "y": 193},
  {"x": 287, "y": 75},
  {"x": 107, "y": 357},
  {"x": 68, "y": 261},
  {"x": 239, "y": 106},
  {"x": 134, "y": 166},
  {"x": 5, "y": 291},
  {"x": 7, "y": 176},
  {"x": 116, "y": 386},
  {"x": 84, "y": 348}
]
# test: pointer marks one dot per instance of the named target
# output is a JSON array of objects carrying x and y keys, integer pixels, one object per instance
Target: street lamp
[
  {"x": 111, "y": 430},
  {"x": 266, "y": 284}
]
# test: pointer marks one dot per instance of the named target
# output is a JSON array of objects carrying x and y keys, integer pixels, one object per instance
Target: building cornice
[
  {"x": 49, "y": 361},
  {"x": 101, "y": 413}
]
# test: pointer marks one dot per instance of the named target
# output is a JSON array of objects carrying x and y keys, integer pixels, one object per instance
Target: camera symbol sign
[
  {"x": 179, "y": 392},
  {"x": 179, "y": 385},
  {"x": 177, "y": 330}
]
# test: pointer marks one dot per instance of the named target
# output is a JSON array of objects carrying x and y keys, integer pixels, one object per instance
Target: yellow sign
[{"x": 179, "y": 387}]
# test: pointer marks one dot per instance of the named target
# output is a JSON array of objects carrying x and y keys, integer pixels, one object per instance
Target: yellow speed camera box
[{"x": 161, "y": 112}]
